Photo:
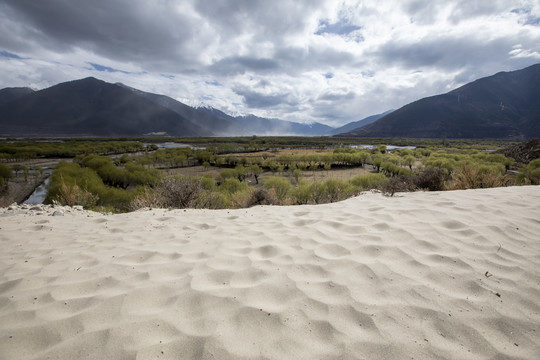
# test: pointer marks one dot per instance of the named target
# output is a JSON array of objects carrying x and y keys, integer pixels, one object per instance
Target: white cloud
[{"x": 271, "y": 59}]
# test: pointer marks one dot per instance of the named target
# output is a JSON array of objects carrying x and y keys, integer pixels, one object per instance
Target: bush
[
  {"x": 74, "y": 195},
  {"x": 180, "y": 192},
  {"x": 337, "y": 190},
  {"x": 262, "y": 196},
  {"x": 474, "y": 176},
  {"x": 400, "y": 183},
  {"x": 148, "y": 198},
  {"x": 432, "y": 179},
  {"x": 369, "y": 181},
  {"x": 232, "y": 185},
  {"x": 5, "y": 175},
  {"x": 530, "y": 174},
  {"x": 281, "y": 186},
  {"x": 302, "y": 193},
  {"x": 70, "y": 176}
]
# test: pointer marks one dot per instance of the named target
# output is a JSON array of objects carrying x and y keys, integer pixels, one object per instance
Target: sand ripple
[{"x": 441, "y": 275}]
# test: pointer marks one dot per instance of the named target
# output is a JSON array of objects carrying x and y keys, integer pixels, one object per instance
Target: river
[{"x": 39, "y": 194}]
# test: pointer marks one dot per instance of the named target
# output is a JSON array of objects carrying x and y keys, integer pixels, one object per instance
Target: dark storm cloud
[
  {"x": 270, "y": 19},
  {"x": 254, "y": 99},
  {"x": 123, "y": 30},
  {"x": 241, "y": 64},
  {"x": 444, "y": 52},
  {"x": 427, "y": 12},
  {"x": 332, "y": 96},
  {"x": 302, "y": 60}
]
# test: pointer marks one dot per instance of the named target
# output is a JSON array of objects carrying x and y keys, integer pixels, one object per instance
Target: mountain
[
  {"x": 90, "y": 107},
  {"x": 222, "y": 124},
  {"x": 10, "y": 94},
  {"x": 205, "y": 120},
  {"x": 254, "y": 125},
  {"x": 355, "y": 125},
  {"x": 502, "y": 106}
]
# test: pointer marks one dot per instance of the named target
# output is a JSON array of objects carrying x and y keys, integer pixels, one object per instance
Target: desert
[{"x": 421, "y": 275}]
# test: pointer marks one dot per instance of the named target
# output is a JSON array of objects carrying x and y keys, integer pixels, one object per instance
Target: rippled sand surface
[{"x": 435, "y": 275}]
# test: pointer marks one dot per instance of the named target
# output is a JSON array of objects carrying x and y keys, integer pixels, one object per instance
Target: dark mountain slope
[
  {"x": 90, "y": 107},
  {"x": 503, "y": 106},
  {"x": 524, "y": 152},
  {"x": 355, "y": 125},
  {"x": 203, "y": 119},
  {"x": 254, "y": 125},
  {"x": 10, "y": 94}
]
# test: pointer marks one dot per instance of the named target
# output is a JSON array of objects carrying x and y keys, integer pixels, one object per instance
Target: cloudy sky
[{"x": 330, "y": 61}]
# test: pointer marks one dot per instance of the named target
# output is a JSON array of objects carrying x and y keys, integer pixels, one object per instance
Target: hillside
[
  {"x": 355, "y": 125},
  {"x": 209, "y": 123},
  {"x": 523, "y": 152},
  {"x": 90, "y": 107},
  {"x": 8, "y": 95},
  {"x": 254, "y": 125},
  {"x": 503, "y": 106}
]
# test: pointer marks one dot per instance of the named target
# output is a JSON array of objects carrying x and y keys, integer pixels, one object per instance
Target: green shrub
[
  {"x": 369, "y": 181},
  {"x": 432, "y": 179},
  {"x": 232, "y": 185},
  {"x": 74, "y": 195},
  {"x": 530, "y": 174},
  {"x": 86, "y": 179},
  {"x": 5, "y": 174},
  {"x": 474, "y": 176},
  {"x": 281, "y": 186},
  {"x": 302, "y": 193}
]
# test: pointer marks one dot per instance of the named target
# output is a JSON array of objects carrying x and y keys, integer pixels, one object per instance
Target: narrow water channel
[{"x": 38, "y": 196}]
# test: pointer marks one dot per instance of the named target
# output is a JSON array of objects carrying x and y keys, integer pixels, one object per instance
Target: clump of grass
[
  {"x": 472, "y": 176},
  {"x": 74, "y": 195},
  {"x": 530, "y": 174},
  {"x": 369, "y": 181}
]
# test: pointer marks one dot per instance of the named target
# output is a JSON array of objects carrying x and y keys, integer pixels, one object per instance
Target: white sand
[{"x": 439, "y": 275}]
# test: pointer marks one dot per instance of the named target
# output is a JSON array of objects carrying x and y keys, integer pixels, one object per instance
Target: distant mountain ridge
[
  {"x": 92, "y": 107},
  {"x": 355, "y": 125},
  {"x": 10, "y": 94},
  {"x": 502, "y": 106},
  {"x": 89, "y": 107},
  {"x": 254, "y": 125}
]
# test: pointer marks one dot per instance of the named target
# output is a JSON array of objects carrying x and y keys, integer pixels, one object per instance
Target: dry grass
[{"x": 76, "y": 195}]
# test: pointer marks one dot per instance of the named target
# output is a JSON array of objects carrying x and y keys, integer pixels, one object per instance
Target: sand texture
[{"x": 434, "y": 275}]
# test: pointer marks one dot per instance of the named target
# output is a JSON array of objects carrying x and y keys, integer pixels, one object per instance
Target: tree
[
  {"x": 5, "y": 174},
  {"x": 255, "y": 171},
  {"x": 297, "y": 173}
]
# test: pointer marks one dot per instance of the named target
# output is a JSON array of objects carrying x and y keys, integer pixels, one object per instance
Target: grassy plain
[{"x": 123, "y": 174}]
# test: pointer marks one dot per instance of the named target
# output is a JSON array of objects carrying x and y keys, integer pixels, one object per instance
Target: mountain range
[
  {"x": 355, "y": 125},
  {"x": 502, "y": 106},
  {"x": 92, "y": 107}
]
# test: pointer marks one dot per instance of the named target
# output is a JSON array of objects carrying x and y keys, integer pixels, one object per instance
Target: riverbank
[{"x": 19, "y": 189}]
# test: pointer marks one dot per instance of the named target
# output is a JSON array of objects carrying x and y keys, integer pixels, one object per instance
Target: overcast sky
[{"x": 301, "y": 60}]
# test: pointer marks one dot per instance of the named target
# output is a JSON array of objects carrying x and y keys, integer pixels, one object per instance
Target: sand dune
[{"x": 436, "y": 275}]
